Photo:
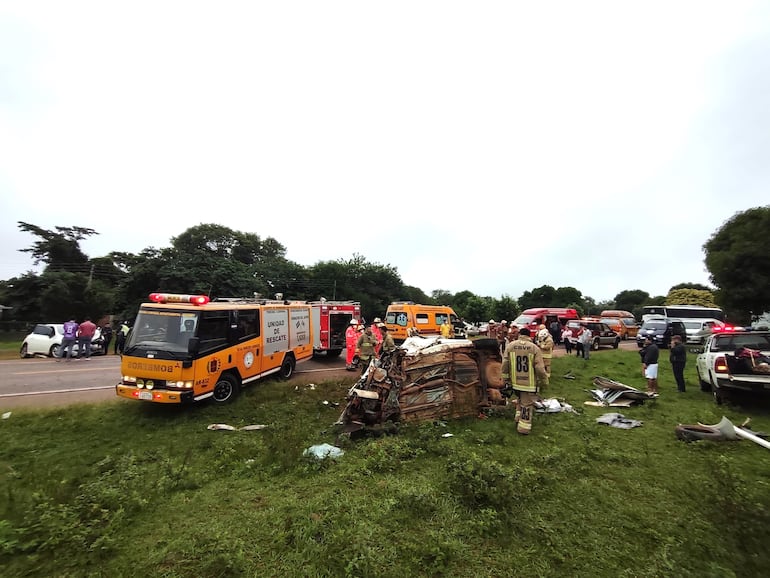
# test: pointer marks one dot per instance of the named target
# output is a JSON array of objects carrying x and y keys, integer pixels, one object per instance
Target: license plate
[{"x": 145, "y": 395}]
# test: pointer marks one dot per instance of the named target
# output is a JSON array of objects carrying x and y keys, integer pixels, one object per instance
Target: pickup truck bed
[{"x": 726, "y": 364}]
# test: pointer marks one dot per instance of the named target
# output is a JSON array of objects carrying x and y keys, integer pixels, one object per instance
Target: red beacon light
[{"x": 178, "y": 298}]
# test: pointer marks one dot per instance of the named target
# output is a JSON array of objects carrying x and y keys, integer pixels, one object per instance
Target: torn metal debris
[{"x": 615, "y": 394}]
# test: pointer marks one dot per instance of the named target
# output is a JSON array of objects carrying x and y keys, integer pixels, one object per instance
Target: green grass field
[{"x": 123, "y": 489}]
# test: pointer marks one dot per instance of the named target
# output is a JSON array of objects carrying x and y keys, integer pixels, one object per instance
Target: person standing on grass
[
  {"x": 69, "y": 338},
  {"x": 650, "y": 355},
  {"x": 678, "y": 358},
  {"x": 522, "y": 369},
  {"x": 585, "y": 338},
  {"x": 545, "y": 342}
]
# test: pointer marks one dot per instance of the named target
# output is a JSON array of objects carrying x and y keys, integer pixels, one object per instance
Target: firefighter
[
  {"x": 366, "y": 344},
  {"x": 388, "y": 346},
  {"x": 544, "y": 341},
  {"x": 501, "y": 335},
  {"x": 377, "y": 334},
  {"x": 522, "y": 370},
  {"x": 351, "y": 336}
]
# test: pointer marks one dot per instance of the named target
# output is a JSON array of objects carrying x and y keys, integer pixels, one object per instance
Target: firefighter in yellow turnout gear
[
  {"x": 523, "y": 370},
  {"x": 545, "y": 342}
]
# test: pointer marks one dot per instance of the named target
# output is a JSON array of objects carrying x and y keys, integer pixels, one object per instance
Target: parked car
[
  {"x": 601, "y": 334},
  {"x": 632, "y": 327},
  {"x": 661, "y": 329},
  {"x": 471, "y": 330},
  {"x": 46, "y": 338},
  {"x": 699, "y": 329},
  {"x": 616, "y": 325}
]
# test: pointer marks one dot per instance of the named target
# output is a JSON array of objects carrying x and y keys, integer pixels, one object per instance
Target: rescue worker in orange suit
[
  {"x": 351, "y": 337},
  {"x": 523, "y": 371},
  {"x": 544, "y": 341}
]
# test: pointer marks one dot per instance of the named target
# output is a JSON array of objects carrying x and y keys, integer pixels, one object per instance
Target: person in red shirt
[{"x": 86, "y": 331}]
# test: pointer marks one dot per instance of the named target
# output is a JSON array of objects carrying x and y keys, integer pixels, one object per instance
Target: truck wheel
[
  {"x": 226, "y": 388},
  {"x": 704, "y": 385},
  {"x": 719, "y": 395},
  {"x": 287, "y": 367},
  {"x": 595, "y": 345},
  {"x": 23, "y": 352}
]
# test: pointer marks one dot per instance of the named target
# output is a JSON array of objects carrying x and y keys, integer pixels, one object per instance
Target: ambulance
[
  {"x": 186, "y": 348},
  {"x": 426, "y": 319}
]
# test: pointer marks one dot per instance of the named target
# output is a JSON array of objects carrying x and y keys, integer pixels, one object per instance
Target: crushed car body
[{"x": 426, "y": 379}]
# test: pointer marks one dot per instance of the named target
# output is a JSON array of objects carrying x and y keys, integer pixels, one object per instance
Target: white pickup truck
[{"x": 721, "y": 371}]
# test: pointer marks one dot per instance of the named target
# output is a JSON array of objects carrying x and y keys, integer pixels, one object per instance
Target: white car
[
  {"x": 46, "y": 339},
  {"x": 698, "y": 330}
]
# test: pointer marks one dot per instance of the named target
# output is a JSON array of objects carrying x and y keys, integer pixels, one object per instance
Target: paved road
[
  {"x": 40, "y": 382},
  {"x": 43, "y": 382}
]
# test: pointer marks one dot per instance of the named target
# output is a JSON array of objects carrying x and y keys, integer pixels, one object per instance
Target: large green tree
[
  {"x": 738, "y": 260},
  {"x": 58, "y": 249}
]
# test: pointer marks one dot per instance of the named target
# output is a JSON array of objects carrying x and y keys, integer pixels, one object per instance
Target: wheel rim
[
  {"x": 24, "y": 350},
  {"x": 224, "y": 390}
]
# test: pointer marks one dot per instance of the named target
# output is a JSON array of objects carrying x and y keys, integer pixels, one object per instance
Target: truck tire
[
  {"x": 226, "y": 388},
  {"x": 595, "y": 345},
  {"x": 287, "y": 367},
  {"x": 617, "y": 343},
  {"x": 24, "y": 352},
  {"x": 704, "y": 385},
  {"x": 719, "y": 394}
]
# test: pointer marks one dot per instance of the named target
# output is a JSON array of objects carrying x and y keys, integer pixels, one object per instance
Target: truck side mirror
[{"x": 193, "y": 345}]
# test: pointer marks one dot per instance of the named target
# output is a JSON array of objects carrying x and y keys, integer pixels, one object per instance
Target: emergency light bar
[{"x": 178, "y": 298}]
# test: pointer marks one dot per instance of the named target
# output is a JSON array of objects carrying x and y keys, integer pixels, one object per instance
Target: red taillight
[
  {"x": 720, "y": 364},
  {"x": 177, "y": 298}
]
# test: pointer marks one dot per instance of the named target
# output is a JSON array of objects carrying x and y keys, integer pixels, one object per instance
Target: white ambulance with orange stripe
[{"x": 185, "y": 348}]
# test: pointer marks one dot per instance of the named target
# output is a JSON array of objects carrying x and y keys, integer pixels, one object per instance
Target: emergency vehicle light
[{"x": 178, "y": 298}]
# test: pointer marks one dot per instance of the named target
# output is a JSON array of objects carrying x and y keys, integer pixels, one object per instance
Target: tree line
[{"x": 217, "y": 261}]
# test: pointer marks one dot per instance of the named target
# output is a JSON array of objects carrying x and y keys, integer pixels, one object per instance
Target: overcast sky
[{"x": 485, "y": 146}]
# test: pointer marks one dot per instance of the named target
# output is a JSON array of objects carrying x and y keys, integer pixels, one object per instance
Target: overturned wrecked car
[{"x": 426, "y": 379}]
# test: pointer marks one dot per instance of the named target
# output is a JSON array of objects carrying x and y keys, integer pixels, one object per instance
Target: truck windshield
[{"x": 163, "y": 329}]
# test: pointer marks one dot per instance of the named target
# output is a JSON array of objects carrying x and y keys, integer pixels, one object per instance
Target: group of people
[
  {"x": 83, "y": 334},
  {"x": 650, "y": 355},
  {"x": 581, "y": 342},
  {"x": 364, "y": 342}
]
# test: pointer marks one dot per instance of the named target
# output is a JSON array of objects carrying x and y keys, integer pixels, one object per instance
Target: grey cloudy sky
[{"x": 488, "y": 146}]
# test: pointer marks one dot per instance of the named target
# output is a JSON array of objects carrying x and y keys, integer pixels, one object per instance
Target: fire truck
[{"x": 330, "y": 320}]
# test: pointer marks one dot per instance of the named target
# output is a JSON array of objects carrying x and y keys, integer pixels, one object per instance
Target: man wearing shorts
[{"x": 650, "y": 355}]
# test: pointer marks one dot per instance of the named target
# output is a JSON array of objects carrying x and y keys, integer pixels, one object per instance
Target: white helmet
[
  {"x": 491, "y": 320},
  {"x": 353, "y": 322}
]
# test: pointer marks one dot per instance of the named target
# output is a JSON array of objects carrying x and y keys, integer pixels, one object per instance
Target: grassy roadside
[{"x": 129, "y": 489}]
